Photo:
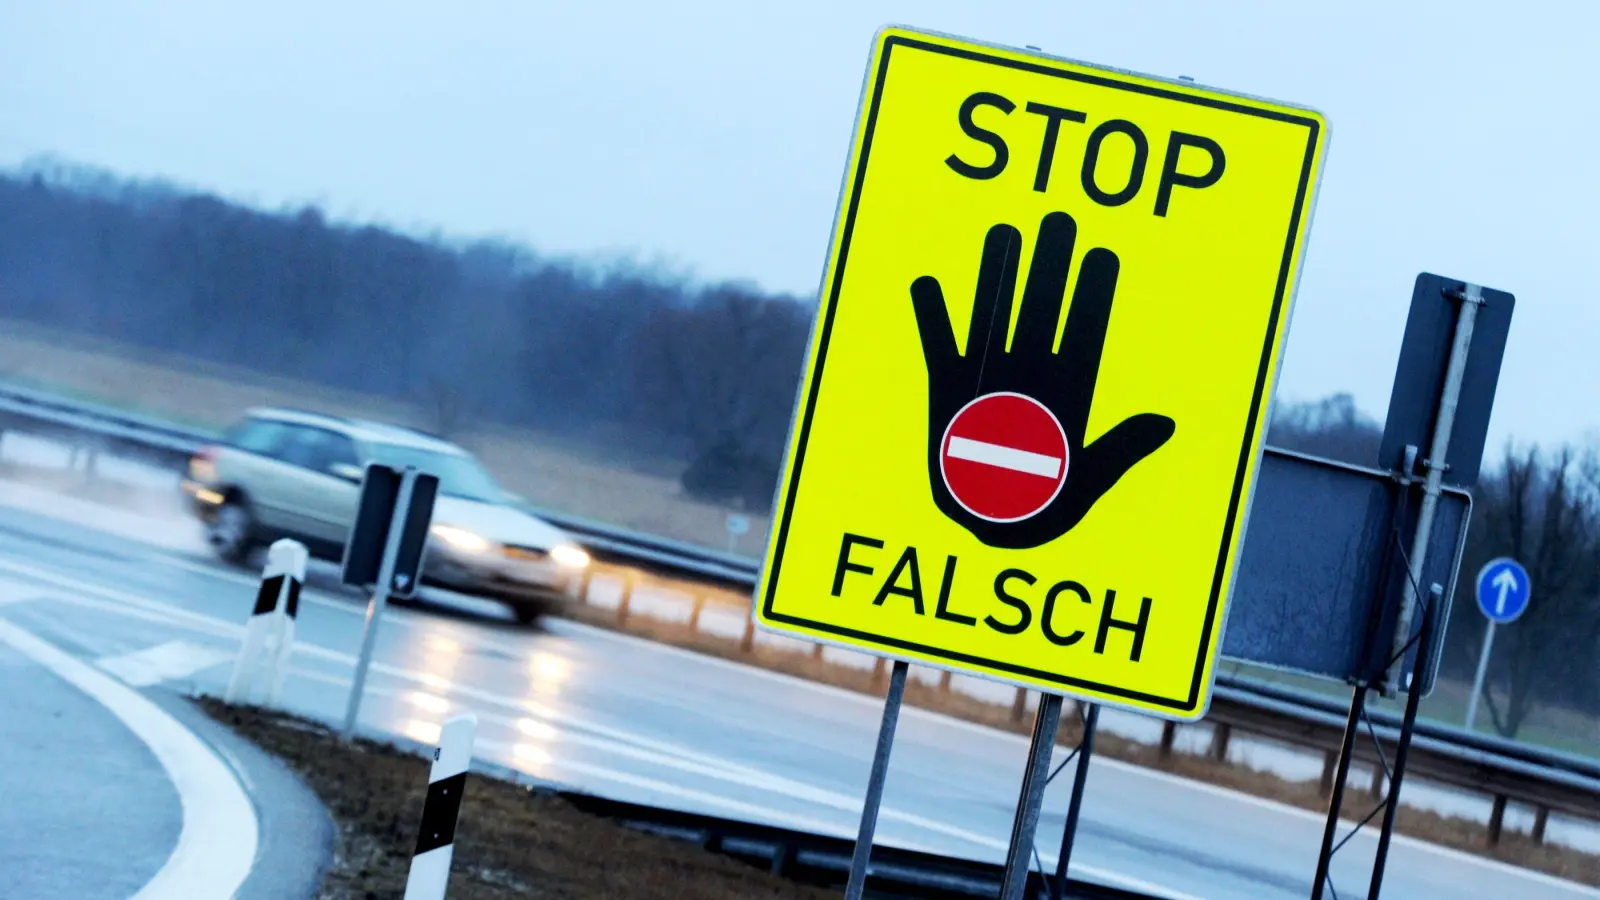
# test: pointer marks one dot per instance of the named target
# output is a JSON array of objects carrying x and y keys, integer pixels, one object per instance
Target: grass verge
[{"x": 511, "y": 841}]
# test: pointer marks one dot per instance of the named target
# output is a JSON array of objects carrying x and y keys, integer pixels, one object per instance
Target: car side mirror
[{"x": 348, "y": 472}]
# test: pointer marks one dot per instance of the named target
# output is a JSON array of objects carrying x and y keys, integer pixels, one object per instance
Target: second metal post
[
  {"x": 862, "y": 857},
  {"x": 380, "y": 599},
  {"x": 1026, "y": 824}
]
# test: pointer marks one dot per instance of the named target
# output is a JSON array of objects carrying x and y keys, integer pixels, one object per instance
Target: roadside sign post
[
  {"x": 738, "y": 526},
  {"x": 1443, "y": 393},
  {"x": 1503, "y": 593},
  {"x": 1035, "y": 776},
  {"x": 861, "y": 859},
  {"x": 270, "y": 631},
  {"x": 385, "y": 551},
  {"x": 429, "y": 875},
  {"x": 1054, "y": 499},
  {"x": 1434, "y": 464}
]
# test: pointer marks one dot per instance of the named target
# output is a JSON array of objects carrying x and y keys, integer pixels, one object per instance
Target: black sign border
[{"x": 1191, "y": 703}]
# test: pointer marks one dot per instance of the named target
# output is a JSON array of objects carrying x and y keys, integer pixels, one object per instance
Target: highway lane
[
  {"x": 88, "y": 812},
  {"x": 648, "y": 723}
]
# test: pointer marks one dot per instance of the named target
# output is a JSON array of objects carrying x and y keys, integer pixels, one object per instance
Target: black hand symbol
[{"x": 1063, "y": 382}]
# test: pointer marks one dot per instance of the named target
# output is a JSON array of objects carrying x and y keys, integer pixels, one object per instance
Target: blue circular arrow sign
[{"x": 1503, "y": 590}]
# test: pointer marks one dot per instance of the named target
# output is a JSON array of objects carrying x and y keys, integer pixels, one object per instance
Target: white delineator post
[
  {"x": 430, "y": 861},
  {"x": 270, "y": 631}
]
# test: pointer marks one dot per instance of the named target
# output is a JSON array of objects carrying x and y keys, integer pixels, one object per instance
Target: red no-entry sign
[{"x": 1004, "y": 457}]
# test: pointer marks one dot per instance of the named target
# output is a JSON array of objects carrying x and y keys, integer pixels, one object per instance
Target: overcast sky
[{"x": 711, "y": 136}]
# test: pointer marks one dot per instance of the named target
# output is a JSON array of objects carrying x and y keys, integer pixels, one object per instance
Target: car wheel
[
  {"x": 231, "y": 532},
  {"x": 529, "y": 611}
]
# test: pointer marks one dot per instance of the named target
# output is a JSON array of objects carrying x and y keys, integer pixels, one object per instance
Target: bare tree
[{"x": 1542, "y": 511}]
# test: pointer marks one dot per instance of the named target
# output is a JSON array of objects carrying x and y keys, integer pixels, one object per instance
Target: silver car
[{"x": 284, "y": 473}]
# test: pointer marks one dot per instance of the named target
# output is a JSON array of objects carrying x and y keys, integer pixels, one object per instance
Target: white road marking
[
  {"x": 207, "y": 623},
  {"x": 1001, "y": 456},
  {"x": 217, "y": 843},
  {"x": 1174, "y": 781},
  {"x": 686, "y": 760},
  {"x": 153, "y": 665}
]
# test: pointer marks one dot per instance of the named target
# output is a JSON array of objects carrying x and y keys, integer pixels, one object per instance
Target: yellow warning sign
[{"x": 1033, "y": 409}]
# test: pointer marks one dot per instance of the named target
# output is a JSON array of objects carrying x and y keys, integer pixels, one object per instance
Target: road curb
[
  {"x": 296, "y": 843},
  {"x": 219, "y": 836}
]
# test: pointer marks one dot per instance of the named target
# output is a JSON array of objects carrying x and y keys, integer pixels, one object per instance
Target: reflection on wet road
[{"x": 647, "y": 723}]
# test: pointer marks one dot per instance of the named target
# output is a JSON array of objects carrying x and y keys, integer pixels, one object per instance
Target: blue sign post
[{"x": 1503, "y": 589}]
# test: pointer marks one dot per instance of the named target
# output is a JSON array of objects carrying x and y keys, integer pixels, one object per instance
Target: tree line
[
  {"x": 704, "y": 374},
  {"x": 481, "y": 332}
]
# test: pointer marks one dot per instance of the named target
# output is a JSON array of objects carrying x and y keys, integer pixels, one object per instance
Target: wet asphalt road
[
  {"x": 86, "y": 810},
  {"x": 647, "y": 723}
]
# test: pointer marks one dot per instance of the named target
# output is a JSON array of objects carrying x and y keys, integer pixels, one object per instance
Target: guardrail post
[
  {"x": 694, "y": 614},
  {"x": 1019, "y": 706},
  {"x": 1169, "y": 737},
  {"x": 1330, "y": 763},
  {"x": 877, "y": 672},
  {"x": 944, "y": 681},
  {"x": 583, "y": 585},
  {"x": 816, "y": 652},
  {"x": 623, "y": 606},
  {"x": 1221, "y": 734},
  {"x": 1497, "y": 819},
  {"x": 1541, "y": 818},
  {"x": 748, "y": 642},
  {"x": 783, "y": 857}
]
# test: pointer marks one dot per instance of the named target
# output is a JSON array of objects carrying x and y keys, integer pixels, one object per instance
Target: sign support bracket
[
  {"x": 1069, "y": 832},
  {"x": 1395, "y": 775}
]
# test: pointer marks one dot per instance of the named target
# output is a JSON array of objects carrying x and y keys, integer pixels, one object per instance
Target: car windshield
[{"x": 459, "y": 475}]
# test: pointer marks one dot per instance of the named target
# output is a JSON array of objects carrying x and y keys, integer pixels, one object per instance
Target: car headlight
[
  {"x": 569, "y": 556},
  {"x": 460, "y": 538}
]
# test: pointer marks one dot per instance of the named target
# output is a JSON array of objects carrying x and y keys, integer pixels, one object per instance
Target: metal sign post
[
  {"x": 1503, "y": 590},
  {"x": 1406, "y": 657},
  {"x": 1434, "y": 463},
  {"x": 738, "y": 526},
  {"x": 380, "y": 599},
  {"x": 861, "y": 858},
  {"x": 385, "y": 550},
  {"x": 1483, "y": 673},
  {"x": 1034, "y": 778}
]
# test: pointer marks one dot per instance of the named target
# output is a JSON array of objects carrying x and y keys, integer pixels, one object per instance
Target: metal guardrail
[
  {"x": 824, "y": 860},
  {"x": 1544, "y": 779}
]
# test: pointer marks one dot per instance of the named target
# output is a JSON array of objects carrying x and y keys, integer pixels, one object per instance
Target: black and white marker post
[
  {"x": 436, "y": 836},
  {"x": 861, "y": 859},
  {"x": 264, "y": 654},
  {"x": 385, "y": 551}
]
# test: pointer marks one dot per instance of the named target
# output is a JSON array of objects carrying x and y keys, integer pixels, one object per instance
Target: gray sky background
[{"x": 711, "y": 136}]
